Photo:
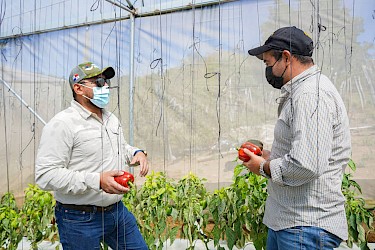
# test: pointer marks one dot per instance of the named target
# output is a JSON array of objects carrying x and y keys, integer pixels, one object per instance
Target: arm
[
  {"x": 51, "y": 172},
  {"x": 51, "y": 169},
  {"x": 310, "y": 148},
  {"x": 312, "y": 134},
  {"x": 134, "y": 155}
]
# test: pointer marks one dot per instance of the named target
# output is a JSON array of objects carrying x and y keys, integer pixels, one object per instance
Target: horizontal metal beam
[
  {"x": 110, "y": 20},
  {"x": 186, "y": 7}
]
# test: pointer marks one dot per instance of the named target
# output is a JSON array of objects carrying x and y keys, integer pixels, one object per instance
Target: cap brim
[
  {"x": 108, "y": 72},
  {"x": 258, "y": 51}
]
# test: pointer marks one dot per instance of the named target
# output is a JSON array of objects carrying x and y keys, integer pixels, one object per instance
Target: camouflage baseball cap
[{"x": 88, "y": 70}]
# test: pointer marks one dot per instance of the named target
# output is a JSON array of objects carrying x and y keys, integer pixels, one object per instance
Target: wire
[
  {"x": 5, "y": 133},
  {"x": 3, "y": 7},
  {"x": 96, "y": 5}
]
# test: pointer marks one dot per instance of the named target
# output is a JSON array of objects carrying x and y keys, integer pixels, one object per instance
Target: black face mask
[{"x": 276, "y": 81}]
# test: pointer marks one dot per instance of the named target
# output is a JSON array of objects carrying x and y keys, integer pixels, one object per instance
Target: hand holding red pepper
[
  {"x": 251, "y": 155},
  {"x": 250, "y": 146},
  {"x": 108, "y": 183},
  {"x": 254, "y": 162}
]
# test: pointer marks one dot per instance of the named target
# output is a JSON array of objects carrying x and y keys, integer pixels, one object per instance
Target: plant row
[{"x": 166, "y": 209}]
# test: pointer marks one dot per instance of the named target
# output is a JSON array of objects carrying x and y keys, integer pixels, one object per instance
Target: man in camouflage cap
[{"x": 81, "y": 150}]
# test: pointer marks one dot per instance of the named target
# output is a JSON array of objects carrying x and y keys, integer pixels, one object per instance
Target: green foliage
[
  {"x": 358, "y": 217},
  {"x": 238, "y": 211},
  {"x": 10, "y": 223},
  {"x": 151, "y": 205},
  {"x": 37, "y": 214},
  {"x": 163, "y": 208},
  {"x": 190, "y": 203}
]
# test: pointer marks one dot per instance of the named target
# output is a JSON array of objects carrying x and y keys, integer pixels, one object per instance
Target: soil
[
  {"x": 371, "y": 234},
  {"x": 371, "y": 237},
  {"x": 173, "y": 223}
]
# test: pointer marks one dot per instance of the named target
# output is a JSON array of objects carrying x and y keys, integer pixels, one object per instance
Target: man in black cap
[
  {"x": 311, "y": 148},
  {"x": 81, "y": 150}
]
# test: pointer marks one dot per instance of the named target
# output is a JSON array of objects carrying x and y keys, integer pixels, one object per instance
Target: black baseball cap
[{"x": 288, "y": 38}]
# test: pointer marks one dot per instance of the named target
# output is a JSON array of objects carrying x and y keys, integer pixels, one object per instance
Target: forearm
[
  {"x": 288, "y": 172},
  {"x": 66, "y": 181},
  {"x": 266, "y": 168}
]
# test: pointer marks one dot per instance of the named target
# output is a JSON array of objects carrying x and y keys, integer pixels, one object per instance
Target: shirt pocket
[
  {"x": 88, "y": 144},
  {"x": 114, "y": 138}
]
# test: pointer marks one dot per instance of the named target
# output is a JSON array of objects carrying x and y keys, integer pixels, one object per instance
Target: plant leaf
[
  {"x": 231, "y": 237},
  {"x": 352, "y": 165}
]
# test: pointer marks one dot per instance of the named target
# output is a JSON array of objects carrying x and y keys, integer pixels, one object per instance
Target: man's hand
[
  {"x": 108, "y": 183},
  {"x": 141, "y": 158},
  {"x": 254, "y": 162}
]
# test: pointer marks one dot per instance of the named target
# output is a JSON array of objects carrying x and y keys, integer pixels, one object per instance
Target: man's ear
[
  {"x": 287, "y": 56},
  {"x": 78, "y": 89}
]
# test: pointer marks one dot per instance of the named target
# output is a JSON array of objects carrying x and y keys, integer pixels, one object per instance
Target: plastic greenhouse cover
[{"x": 197, "y": 93}]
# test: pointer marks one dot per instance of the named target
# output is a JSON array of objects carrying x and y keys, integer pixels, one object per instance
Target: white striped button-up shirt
[{"x": 310, "y": 151}]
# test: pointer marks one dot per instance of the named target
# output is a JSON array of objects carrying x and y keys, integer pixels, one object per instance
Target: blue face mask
[{"x": 101, "y": 96}]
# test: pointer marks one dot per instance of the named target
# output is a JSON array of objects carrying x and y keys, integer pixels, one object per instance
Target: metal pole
[
  {"x": 131, "y": 82},
  {"x": 131, "y": 10},
  {"x": 144, "y": 14},
  {"x": 23, "y": 102},
  {"x": 316, "y": 28},
  {"x": 130, "y": 5}
]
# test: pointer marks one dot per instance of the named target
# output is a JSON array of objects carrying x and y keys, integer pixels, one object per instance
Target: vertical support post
[
  {"x": 316, "y": 31},
  {"x": 131, "y": 83}
]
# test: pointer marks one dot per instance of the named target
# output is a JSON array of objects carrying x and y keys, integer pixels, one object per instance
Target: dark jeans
[
  {"x": 302, "y": 238},
  {"x": 81, "y": 230}
]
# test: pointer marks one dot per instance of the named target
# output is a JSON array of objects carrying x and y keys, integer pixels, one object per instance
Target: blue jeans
[
  {"x": 302, "y": 238},
  {"x": 80, "y": 230}
]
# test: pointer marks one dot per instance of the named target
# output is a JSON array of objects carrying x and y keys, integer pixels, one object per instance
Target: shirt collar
[
  {"x": 287, "y": 87},
  {"x": 84, "y": 112}
]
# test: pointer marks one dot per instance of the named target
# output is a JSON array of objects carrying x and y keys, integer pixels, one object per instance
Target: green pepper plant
[
  {"x": 151, "y": 205},
  {"x": 166, "y": 209},
  {"x": 238, "y": 210},
  {"x": 189, "y": 206},
  {"x": 38, "y": 215},
  {"x": 358, "y": 217},
  {"x": 10, "y": 223}
]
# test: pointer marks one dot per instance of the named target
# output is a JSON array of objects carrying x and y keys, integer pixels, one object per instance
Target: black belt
[{"x": 87, "y": 208}]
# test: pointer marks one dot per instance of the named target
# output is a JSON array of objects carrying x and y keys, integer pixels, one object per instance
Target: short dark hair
[
  {"x": 304, "y": 59},
  {"x": 74, "y": 94},
  {"x": 277, "y": 54}
]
